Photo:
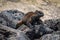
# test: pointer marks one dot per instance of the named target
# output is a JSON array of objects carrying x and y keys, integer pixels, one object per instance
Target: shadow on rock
[{"x": 7, "y": 33}]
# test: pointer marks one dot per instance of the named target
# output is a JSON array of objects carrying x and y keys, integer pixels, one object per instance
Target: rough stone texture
[
  {"x": 53, "y": 36},
  {"x": 8, "y": 33},
  {"x": 53, "y": 23},
  {"x": 8, "y": 20},
  {"x": 10, "y": 17},
  {"x": 51, "y": 9}
]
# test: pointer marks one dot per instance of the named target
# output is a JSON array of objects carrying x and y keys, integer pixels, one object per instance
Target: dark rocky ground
[
  {"x": 53, "y": 23},
  {"x": 9, "y": 19}
]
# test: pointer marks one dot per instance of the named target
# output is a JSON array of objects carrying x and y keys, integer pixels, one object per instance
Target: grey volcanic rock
[
  {"x": 7, "y": 33},
  {"x": 10, "y": 17},
  {"x": 53, "y": 36},
  {"x": 53, "y": 23}
]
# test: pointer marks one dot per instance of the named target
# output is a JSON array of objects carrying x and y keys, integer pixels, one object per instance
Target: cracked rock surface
[
  {"x": 8, "y": 20},
  {"x": 10, "y": 17},
  {"x": 7, "y": 33}
]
